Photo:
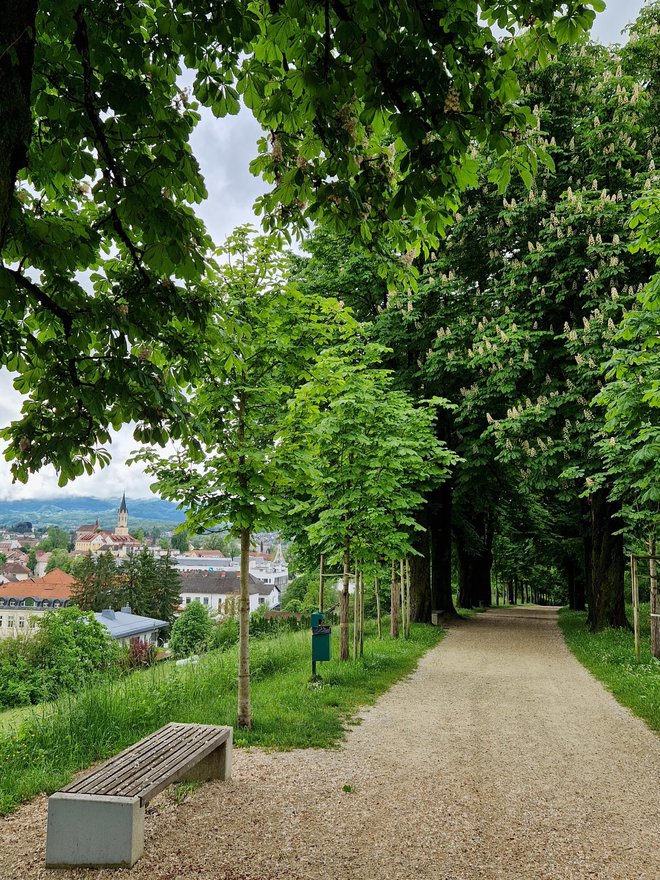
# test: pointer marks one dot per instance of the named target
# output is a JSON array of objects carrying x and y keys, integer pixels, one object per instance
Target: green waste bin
[{"x": 320, "y": 638}]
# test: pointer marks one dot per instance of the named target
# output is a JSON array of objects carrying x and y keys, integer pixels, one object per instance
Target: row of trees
[{"x": 535, "y": 319}]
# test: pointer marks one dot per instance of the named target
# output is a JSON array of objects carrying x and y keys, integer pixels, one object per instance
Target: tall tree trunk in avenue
[
  {"x": 408, "y": 598},
  {"x": 464, "y": 597},
  {"x": 439, "y": 509},
  {"x": 475, "y": 565},
  {"x": 343, "y": 601},
  {"x": 485, "y": 566},
  {"x": 607, "y": 564},
  {"x": 356, "y": 606},
  {"x": 378, "y": 620},
  {"x": 402, "y": 595},
  {"x": 420, "y": 573},
  {"x": 655, "y": 601},
  {"x": 361, "y": 644},
  {"x": 394, "y": 604},
  {"x": 17, "y": 42},
  {"x": 588, "y": 567},
  {"x": 244, "y": 707}
]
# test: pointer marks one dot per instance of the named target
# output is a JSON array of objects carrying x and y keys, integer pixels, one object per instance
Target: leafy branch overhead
[{"x": 371, "y": 112}]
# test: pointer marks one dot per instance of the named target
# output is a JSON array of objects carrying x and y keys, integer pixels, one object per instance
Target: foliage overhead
[{"x": 371, "y": 110}]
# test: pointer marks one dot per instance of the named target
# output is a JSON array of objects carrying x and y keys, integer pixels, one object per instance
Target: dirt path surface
[{"x": 500, "y": 757}]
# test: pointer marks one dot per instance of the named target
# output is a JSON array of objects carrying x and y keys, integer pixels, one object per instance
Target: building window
[
  {"x": 187, "y": 600},
  {"x": 10, "y": 621},
  {"x": 0, "y": 621},
  {"x": 262, "y": 601},
  {"x": 206, "y": 600},
  {"x": 21, "y": 623}
]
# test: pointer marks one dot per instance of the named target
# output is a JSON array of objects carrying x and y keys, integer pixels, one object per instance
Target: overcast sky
[{"x": 224, "y": 148}]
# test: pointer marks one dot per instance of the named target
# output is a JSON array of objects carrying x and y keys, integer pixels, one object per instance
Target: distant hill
[{"x": 70, "y": 512}]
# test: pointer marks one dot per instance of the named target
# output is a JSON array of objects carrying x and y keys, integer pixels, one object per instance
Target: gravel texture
[{"x": 500, "y": 757}]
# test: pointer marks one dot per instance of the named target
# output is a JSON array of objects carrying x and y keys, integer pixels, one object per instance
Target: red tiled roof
[{"x": 54, "y": 585}]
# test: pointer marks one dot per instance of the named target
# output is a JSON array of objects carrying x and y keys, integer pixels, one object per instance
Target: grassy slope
[
  {"x": 610, "y": 656},
  {"x": 46, "y": 749}
]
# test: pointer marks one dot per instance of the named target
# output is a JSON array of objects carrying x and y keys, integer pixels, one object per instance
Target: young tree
[
  {"x": 227, "y": 470},
  {"x": 364, "y": 452}
]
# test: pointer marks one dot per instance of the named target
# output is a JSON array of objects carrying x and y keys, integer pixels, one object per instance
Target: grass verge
[
  {"x": 610, "y": 656},
  {"x": 44, "y": 751}
]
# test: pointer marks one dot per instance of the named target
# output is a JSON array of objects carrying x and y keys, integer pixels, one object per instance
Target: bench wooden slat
[
  {"x": 151, "y": 765},
  {"x": 118, "y": 771},
  {"x": 142, "y": 778},
  {"x": 153, "y": 740}
]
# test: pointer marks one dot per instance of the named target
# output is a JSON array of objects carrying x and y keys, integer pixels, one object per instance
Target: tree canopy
[{"x": 370, "y": 113}]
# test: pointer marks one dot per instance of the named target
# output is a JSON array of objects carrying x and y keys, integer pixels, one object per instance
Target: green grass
[
  {"x": 48, "y": 747},
  {"x": 610, "y": 656}
]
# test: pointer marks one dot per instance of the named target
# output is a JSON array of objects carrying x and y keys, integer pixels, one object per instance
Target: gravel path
[{"x": 500, "y": 757}]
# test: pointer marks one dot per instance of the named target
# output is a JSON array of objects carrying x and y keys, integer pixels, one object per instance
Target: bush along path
[{"x": 499, "y": 757}]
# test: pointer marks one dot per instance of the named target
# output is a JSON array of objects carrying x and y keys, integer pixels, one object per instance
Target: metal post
[{"x": 321, "y": 584}]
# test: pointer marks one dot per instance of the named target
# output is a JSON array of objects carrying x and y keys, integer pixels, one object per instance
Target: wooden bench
[{"x": 99, "y": 819}]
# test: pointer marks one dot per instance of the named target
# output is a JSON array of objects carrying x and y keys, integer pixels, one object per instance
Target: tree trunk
[
  {"x": 244, "y": 707},
  {"x": 17, "y": 42},
  {"x": 343, "y": 602},
  {"x": 655, "y": 601},
  {"x": 378, "y": 620},
  {"x": 402, "y": 595},
  {"x": 356, "y": 605},
  {"x": 588, "y": 565},
  {"x": 607, "y": 564},
  {"x": 408, "y": 598},
  {"x": 361, "y": 615},
  {"x": 420, "y": 573},
  {"x": 465, "y": 578},
  {"x": 439, "y": 511},
  {"x": 394, "y": 604}
]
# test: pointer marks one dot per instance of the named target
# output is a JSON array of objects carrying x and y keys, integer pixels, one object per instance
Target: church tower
[{"x": 122, "y": 517}]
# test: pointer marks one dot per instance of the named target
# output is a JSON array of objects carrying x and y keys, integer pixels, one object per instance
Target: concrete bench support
[{"x": 88, "y": 829}]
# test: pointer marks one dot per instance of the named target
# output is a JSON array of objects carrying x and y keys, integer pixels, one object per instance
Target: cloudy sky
[{"x": 223, "y": 147}]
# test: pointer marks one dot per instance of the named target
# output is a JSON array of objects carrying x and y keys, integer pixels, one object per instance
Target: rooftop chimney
[
  {"x": 126, "y": 609},
  {"x": 109, "y": 613}
]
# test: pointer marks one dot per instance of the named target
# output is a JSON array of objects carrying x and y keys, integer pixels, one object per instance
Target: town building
[
  {"x": 93, "y": 539},
  {"x": 219, "y": 591},
  {"x": 22, "y": 603},
  {"x": 14, "y": 571},
  {"x": 272, "y": 571},
  {"x": 124, "y": 626}
]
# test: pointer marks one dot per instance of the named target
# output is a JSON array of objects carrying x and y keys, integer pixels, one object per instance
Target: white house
[{"x": 219, "y": 590}]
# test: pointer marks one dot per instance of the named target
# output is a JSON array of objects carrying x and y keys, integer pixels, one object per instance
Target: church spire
[{"x": 122, "y": 517}]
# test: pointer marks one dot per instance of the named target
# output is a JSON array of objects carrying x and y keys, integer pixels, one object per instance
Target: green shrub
[{"x": 191, "y": 631}]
